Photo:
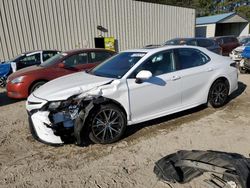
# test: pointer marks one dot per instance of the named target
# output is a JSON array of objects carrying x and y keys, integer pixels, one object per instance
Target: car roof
[
  {"x": 162, "y": 48},
  {"x": 218, "y": 37},
  {"x": 86, "y": 50},
  {"x": 37, "y": 51},
  {"x": 190, "y": 38}
]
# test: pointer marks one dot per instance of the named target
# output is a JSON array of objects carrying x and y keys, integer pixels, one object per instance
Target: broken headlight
[
  {"x": 54, "y": 105},
  {"x": 64, "y": 104}
]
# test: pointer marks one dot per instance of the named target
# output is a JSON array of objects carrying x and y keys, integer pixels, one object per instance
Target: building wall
[
  {"x": 205, "y": 30},
  {"x": 67, "y": 24},
  {"x": 245, "y": 30}
]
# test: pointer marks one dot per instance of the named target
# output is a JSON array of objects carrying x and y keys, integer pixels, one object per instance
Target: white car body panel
[{"x": 156, "y": 97}]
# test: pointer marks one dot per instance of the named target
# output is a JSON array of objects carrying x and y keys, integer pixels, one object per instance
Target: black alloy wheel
[
  {"x": 218, "y": 94},
  {"x": 107, "y": 124}
]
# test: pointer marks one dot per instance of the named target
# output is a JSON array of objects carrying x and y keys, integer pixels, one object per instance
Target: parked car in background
[
  {"x": 244, "y": 65},
  {"x": 227, "y": 43},
  {"x": 23, "y": 60},
  {"x": 199, "y": 41},
  {"x": 236, "y": 54},
  {"x": 23, "y": 82},
  {"x": 131, "y": 87},
  {"x": 244, "y": 40}
]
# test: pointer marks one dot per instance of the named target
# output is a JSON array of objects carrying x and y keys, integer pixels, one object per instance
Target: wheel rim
[
  {"x": 219, "y": 94},
  {"x": 107, "y": 125}
]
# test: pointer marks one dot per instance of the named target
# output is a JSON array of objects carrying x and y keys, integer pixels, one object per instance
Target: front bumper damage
[
  {"x": 40, "y": 130},
  {"x": 57, "y": 128},
  {"x": 65, "y": 122}
]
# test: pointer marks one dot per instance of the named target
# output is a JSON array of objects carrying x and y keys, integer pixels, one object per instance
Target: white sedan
[{"x": 131, "y": 87}]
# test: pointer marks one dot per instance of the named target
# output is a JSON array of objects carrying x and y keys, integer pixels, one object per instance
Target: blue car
[
  {"x": 245, "y": 62},
  {"x": 23, "y": 60}
]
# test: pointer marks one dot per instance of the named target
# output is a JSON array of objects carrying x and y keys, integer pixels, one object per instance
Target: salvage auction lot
[{"x": 25, "y": 162}]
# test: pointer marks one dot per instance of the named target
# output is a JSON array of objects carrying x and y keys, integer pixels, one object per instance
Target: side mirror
[
  {"x": 61, "y": 65},
  {"x": 142, "y": 76}
]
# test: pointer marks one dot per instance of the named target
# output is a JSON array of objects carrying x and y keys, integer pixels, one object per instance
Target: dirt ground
[{"x": 25, "y": 162}]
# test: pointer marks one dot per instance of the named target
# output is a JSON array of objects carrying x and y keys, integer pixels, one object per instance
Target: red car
[
  {"x": 23, "y": 82},
  {"x": 227, "y": 43}
]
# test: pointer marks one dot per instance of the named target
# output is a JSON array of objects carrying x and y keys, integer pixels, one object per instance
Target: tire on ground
[
  {"x": 117, "y": 128},
  {"x": 218, "y": 93}
]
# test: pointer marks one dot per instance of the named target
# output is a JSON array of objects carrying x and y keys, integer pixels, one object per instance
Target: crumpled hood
[{"x": 64, "y": 87}]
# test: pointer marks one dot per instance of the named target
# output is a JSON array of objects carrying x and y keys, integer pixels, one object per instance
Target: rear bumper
[
  {"x": 17, "y": 91},
  {"x": 41, "y": 131}
]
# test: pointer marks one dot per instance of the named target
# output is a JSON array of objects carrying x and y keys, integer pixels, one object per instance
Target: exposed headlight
[
  {"x": 54, "y": 105},
  {"x": 63, "y": 104},
  {"x": 17, "y": 80}
]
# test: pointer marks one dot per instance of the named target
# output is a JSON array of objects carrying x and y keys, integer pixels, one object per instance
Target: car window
[
  {"x": 188, "y": 58},
  {"x": 76, "y": 59},
  {"x": 192, "y": 42},
  {"x": 32, "y": 59},
  {"x": 158, "y": 64},
  {"x": 97, "y": 57},
  {"x": 229, "y": 39},
  {"x": 47, "y": 55},
  {"x": 205, "y": 43}
]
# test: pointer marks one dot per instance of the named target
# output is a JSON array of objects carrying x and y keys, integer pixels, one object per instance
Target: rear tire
[
  {"x": 36, "y": 86},
  {"x": 107, "y": 124},
  {"x": 218, "y": 93}
]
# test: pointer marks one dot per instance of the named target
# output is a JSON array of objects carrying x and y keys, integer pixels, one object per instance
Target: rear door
[{"x": 194, "y": 70}]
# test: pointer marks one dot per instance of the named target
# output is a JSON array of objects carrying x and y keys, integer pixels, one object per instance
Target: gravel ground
[{"x": 25, "y": 162}]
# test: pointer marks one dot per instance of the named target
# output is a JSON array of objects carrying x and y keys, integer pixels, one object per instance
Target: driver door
[{"x": 159, "y": 95}]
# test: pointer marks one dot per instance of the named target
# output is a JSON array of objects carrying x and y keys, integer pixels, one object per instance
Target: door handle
[
  {"x": 210, "y": 69},
  {"x": 175, "y": 78}
]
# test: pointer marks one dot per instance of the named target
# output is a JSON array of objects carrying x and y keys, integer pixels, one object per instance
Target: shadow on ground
[
  {"x": 170, "y": 121},
  {"x": 241, "y": 88},
  {"x": 184, "y": 115},
  {"x": 5, "y": 100}
]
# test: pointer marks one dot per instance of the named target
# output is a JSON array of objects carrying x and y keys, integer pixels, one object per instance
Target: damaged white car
[{"x": 129, "y": 88}]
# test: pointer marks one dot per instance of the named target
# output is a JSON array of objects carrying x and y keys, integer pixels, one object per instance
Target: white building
[{"x": 221, "y": 25}]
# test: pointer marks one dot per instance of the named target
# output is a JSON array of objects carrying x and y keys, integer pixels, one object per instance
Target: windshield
[
  {"x": 118, "y": 65},
  {"x": 247, "y": 44},
  {"x": 53, "y": 60}
]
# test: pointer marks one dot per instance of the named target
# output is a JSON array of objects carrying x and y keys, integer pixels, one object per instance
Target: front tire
[
  {"x": 218, "y": 93},
  {"x": 107, "y": 124}
]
